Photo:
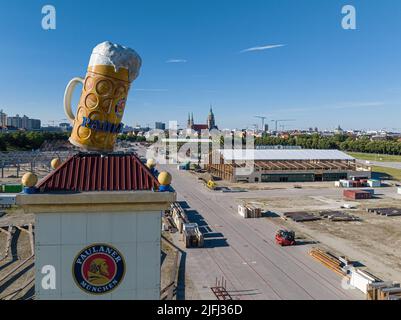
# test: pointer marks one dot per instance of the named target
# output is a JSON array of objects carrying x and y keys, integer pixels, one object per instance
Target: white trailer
[{"x": 7, "y": 200}]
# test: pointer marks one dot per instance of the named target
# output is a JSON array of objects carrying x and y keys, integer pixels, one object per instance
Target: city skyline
[
  {"x": 164, "y": 125},
  {"x": 252, "y": 63}
]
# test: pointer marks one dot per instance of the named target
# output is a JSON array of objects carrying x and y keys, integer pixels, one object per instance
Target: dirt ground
[
  {"x": 16, "y": 216},
  {"x": 168, "y": 260},
  {"x": 274, "y": 185},
  {"x": 19, "y": 252},
  {"x": 10, "y": 173},
  {"x": 374, "y": 241}
]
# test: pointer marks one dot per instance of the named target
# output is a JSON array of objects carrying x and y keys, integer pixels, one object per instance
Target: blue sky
[{"x": 321, "y": 76}]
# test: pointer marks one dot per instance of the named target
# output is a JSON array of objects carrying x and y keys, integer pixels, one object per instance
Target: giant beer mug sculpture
[{"x": 97, "y": 121}]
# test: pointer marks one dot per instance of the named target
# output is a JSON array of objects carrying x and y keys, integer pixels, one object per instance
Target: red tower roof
[
  {"x": 96, "y": 172},
  {"x": 199, "y": 127}
]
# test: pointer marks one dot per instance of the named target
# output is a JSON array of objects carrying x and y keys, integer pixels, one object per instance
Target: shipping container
[
  {"x": 357, "y": 194},
  {"x": 345, "y": 183},
  {"x": 374, "y": 183},
  {"x": 11, "y": 188},
  {"x": 183, "y": 166},
  {"x": 356, "y": 184},
  {"x": 7, "y": 200}
]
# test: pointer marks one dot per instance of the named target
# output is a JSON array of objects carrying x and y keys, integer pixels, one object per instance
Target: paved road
[
  {"x": 244, "y": 252},
  {"x": 395, "y": 165}
]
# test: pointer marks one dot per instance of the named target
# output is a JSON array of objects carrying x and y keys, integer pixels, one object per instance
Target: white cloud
[
  {"x": 150, "y": 90},
  {"x": 261, "y": 48},
  {"x": 176, "y": 61},
  {"x": 359, "y": 105}
]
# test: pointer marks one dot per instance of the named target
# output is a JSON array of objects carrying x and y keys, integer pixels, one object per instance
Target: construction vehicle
[
  {"x": 285, "y": 238},
  {"x": 211, "y": 185}
]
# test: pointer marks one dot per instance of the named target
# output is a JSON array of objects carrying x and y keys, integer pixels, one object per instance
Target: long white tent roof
[{"x": 283, "y": 154}]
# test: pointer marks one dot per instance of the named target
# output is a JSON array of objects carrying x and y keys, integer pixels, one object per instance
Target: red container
[
  {"x": 357, "y": 194},
  {"x": 356, "y": 184}
]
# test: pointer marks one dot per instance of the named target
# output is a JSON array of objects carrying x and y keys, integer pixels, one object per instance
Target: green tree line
[
  {"x": 131, "y": 138},
  {"x": 340, "y": 142},
  {"x": 23, "y": 140},
  {"x": 33, "y": 140}
]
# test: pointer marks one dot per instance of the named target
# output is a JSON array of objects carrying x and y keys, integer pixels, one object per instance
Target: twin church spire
[{"x": 210, "y": 121}]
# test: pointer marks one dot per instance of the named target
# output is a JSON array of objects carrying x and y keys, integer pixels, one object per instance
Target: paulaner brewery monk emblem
[
  {"x": 98, "y": 269},
  {"x": 97, "y": 121}
]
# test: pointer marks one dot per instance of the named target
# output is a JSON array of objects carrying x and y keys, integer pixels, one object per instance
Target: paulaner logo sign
[
  {"x": 98, "y": 269},
  {"x": 102, "y": 125}
]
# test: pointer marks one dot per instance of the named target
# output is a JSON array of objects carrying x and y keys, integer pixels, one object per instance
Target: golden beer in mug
[{"x": 98, "y": 119}]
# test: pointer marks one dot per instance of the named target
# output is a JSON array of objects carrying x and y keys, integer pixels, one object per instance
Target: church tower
[
  {"x": 211, "y": 124},
  {"x": 190, "y": 123}
]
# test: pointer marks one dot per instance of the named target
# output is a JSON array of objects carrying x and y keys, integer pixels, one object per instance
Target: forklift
[{"x": 285, "y": 238}]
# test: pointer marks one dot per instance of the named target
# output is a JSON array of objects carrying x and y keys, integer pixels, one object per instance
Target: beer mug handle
[{"x": 68, "y": 95}]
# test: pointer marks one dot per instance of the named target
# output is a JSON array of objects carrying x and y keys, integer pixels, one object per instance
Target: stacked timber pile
[
  {"x": 192, "y": 236},
  {"x": 336, "y": 264},
  {"x": 388, "y": 212},
  {"x": 385, "y": 290},
  {"x": 249, "y": 211},
  {"x": 179, "y": 216},
  {"x": 168, "y": 222},
  {"x": 301, "y": 216},
  {"x": 338, "y": 216}
]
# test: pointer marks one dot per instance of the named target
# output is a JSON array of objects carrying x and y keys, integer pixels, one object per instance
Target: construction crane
[
  {"x": 53, "y": 122},
  {"x": 282, "y": 120},
  {"x": 263, "y": 121}
]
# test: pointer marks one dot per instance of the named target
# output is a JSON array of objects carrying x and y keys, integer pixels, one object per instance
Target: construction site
[
  {"x": 239, "y": 221},
  {"x": 230, "y": 240}
]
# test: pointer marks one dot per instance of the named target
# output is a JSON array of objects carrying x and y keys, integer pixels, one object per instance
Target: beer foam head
[{"x": 107, "y": 53}]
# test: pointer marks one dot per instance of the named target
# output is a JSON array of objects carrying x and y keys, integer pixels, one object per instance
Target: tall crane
[
  {"x": 263, "y": 121},
  {"x": 281, "y": 120},
  {"x": 53, "y": 122}
]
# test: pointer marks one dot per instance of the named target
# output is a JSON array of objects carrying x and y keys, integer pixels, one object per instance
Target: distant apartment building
[
  {"x": 24, "y": 122},
  {"x": 15, "y": 122},
  {"x": 160, "y": 125},
  {"x": 65, "y": 126},
  {"x": 3, "y": 119}
]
